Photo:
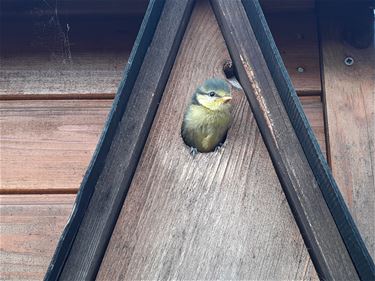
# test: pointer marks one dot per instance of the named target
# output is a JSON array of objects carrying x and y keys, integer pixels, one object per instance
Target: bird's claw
[
  {"x": 219, "y": 147},
  {"x": 193, "y": 151}
]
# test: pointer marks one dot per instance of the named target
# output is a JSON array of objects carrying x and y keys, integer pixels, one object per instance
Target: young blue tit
[{"x": 208, "y": 117}]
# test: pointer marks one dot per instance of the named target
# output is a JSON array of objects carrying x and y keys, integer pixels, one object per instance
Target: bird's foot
[
  {"x": 219, "y": 148},
  {"x": 193, "y": 151}
]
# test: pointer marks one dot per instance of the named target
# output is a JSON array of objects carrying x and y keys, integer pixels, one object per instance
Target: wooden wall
[{"x": 56, "y": 87}]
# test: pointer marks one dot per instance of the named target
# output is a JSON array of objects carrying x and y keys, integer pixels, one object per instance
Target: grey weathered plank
[
  {"x": 114, "y": 178},
  {"x": 349, "y": 95},
  {"x": 218, "y": 216},
  {"x": 314, "y": 219},
  {"x": 89, "y": 74},
  {"x": 30, "y": 227}
]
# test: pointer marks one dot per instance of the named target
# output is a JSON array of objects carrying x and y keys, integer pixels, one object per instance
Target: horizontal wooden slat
[
  {"x": 72, "y": 57},
  {"x": 95, "y": 74},
  {"x": 41, "y": 58},
  {"x": 296, "y": 37},
  {"x": 30, "y": 227},
  {"x": 46, "y": 145}
]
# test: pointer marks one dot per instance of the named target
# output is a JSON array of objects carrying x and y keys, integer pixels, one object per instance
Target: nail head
[
  {"x": 349, "y": 61},
  {"x": 300, "y": 69}
]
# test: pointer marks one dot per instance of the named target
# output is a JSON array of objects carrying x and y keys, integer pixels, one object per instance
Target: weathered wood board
[
  {"x": 87, "y": 74},
  {"x": 47, "y": 145},
  {"x": 30, "y": 227},
  {"x": 39, "y": 64},
  {"x": 313, "y": 108},
  {"x": 220, "y": 215},
  {"x": 349, "y": 93},
  {"x": 296, "y": 38}
]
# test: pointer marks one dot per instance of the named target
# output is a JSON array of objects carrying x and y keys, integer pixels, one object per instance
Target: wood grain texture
[
  {"x": 135, "y": 110},
  {"x": 296, "y": 37},
  {"x": 41, "y": 60},
  {"x": 220, "y": 215},
  {"x": 313, "y": 108},
  {"x": 47, "y": 145},
  {"x": 279, "y": 131},
  {"x": 349, "y": 94},
  {"x": 30, "y": 227},
  {"x": 87, "y": 74}
]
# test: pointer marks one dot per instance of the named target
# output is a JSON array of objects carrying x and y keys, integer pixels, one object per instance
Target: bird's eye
[{"x": 211, "y": 94}]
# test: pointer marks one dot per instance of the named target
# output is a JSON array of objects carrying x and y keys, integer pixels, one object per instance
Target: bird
[{"x": 208, "y": 117}]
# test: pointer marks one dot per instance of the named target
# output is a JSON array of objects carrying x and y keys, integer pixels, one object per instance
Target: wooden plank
[
  {"x": 88, "y": 75},
  {"x": 204, "y": 218},
  {"x": 30, "y": 227},
  {"x": 296, "y": 37},
  {"x": 313, "y": 108},
  {"x": 327, "y": 249},
  {"x": 92, "y": 222},
  {"x": 38, "y": 63},
  {"x": 47, "y": 145},
  {"x": 41, "y": 58},
  {"x": 349, "y": 95}
]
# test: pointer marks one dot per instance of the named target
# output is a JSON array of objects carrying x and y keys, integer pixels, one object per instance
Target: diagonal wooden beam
[
  {"x": 104, "y": 187},
  {"x": 317, "y": 225}
]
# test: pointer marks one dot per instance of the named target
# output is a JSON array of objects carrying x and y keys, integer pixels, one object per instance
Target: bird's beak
[{"x": 226, "y": 99}]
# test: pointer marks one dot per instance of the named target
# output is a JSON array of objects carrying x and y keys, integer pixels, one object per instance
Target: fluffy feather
[{"x": 207, "y": 118}]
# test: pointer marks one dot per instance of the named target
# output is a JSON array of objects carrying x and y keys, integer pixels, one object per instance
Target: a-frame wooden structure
[{"x": 198, "y": 218}]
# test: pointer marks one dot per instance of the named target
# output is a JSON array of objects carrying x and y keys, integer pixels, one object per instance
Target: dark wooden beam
[
  {"x": 106, "y": 182},
  {"x": 309, "y": 207}
]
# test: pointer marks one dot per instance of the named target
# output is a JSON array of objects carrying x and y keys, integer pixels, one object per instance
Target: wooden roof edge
[
  {"x": 96, "y": 166},
  {"x": 83, "y": 242},
  {"x": 343, "y": 220}
]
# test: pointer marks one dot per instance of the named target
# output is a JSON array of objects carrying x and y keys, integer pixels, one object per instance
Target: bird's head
[{"x": 214, "y": 94}]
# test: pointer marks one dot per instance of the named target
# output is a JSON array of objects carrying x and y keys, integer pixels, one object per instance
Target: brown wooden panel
[
  {"x": 30, "y": 227},
  {"x": 47, "y": 145},
  {"x": 87, "y": 74},
  {"x": 296, "y": 37},
  {"x": 313, "y": 108},
  {"x": 349, "y": 93},
  {"x": 37, "y": 62},
  {"x": 220, "y": 215}
]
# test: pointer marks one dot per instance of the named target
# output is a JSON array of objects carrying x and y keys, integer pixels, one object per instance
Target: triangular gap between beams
[{"x": 220, "y": 215}]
